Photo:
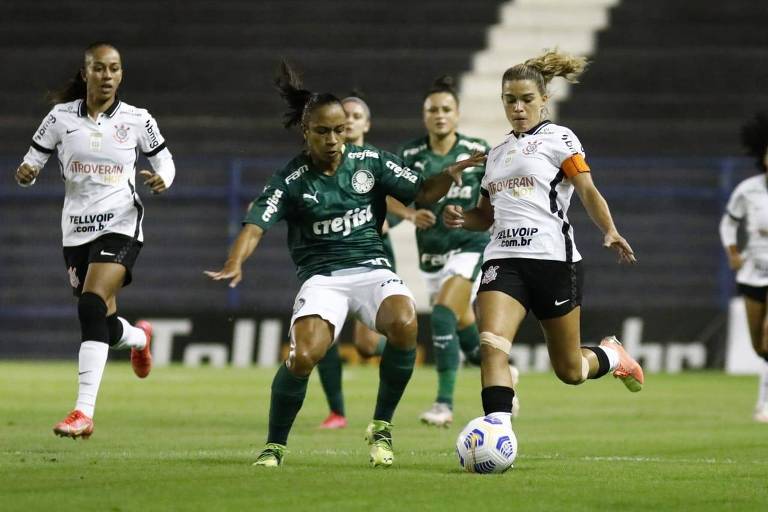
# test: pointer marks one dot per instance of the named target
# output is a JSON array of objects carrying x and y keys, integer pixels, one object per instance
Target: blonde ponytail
[{"x": 545, "y": 67}]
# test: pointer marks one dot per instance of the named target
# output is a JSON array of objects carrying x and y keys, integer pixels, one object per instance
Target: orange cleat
[
  {"x": 75, "y": 425},
  {"x": 141, "y": 360},
  {"x": 334, "y": 421},
  {"x": 628, "y": 370}
]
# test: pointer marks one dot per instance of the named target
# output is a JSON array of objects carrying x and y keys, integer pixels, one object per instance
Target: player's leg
[
  {"x": 451, "y": 302},
  {"x": 755, "y": 305},
  {"x": 329, "y": 371},
  {"x": 469, "y": 335},
  {"x": 368, "y": 342},
  {"x": 102, "y": 281}
]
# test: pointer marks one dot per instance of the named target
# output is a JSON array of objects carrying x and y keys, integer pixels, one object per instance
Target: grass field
[{"x": 184, "y": 439}]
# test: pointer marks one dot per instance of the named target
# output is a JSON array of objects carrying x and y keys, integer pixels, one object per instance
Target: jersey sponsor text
[
  {"x": 344, "y": 224},
  {"x": 401, "y": 172},
  {"x": 272, "y": 203}
]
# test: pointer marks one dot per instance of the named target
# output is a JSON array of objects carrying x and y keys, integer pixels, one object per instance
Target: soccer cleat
[
  {"x": 379, "y": 437},
  {"x": 75, "y": 425},
  {"x": 628, "y": 370},
  {"x": 334, "y": 421},
  {"x": 513, "y": 371},
  {"x": 271, "y": 456},
  {"x": 439, "y": 415},
  {"x": 141, "y": 360},
  {"x": 761, "y": 414}
]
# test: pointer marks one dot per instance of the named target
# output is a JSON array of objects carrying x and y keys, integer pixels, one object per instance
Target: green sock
[
  {"x": 380, "y": 347},
  {"x": 288, "y": 392},
  {"x": 329, "y": 369},
  {"x": 469, "y": 341},
  {"x": 395, "y": 371},
  {"x": 446, "y": 351}
]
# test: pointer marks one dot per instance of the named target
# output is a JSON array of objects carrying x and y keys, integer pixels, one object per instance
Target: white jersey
[
  {"x": 526, "y": 182},
  {"x": 749, "y": 203},
  {"x": 97, "y": 160}
]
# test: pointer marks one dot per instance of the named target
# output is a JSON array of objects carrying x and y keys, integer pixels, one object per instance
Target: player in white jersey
[
  {"x": 531, "y": 262},
  {"x": 97, "y": 138},
  {"x": 748, "y": 204}
]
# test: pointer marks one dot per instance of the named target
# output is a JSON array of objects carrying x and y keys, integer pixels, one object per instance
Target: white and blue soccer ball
[{"x": 487, "y": 444}]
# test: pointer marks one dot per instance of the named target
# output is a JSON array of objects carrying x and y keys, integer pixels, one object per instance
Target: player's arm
[
  {"x": 598, "y": 211},
  {"x": 245, "y": 243},
  {"x": 479, "y": 218},
  {"x": 44, "y": 142},
  {"x": 438, "y": 185},
  {"x": 729, "y": 226},
  {"x": 421, "y": 218},
  {"x": 152, "y": 144}
]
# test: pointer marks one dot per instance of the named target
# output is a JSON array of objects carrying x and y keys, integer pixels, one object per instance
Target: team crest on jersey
[
  {"x": 490, "y": 274},
  {"x": 362, "y": 181},
  {"x": 531, "y": 147},
  {"x": 121, "y": 133},
  {"x": 73, "y": 279}
]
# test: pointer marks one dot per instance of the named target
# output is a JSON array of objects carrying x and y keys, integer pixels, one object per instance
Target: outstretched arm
[
  {"x": 421, "y": 218},
  {"x": 479, "y": 218},
  {"x": 245, "y": 243},
  {"x": 598, "y": 211},
  {"x": 438, "y": 185}
]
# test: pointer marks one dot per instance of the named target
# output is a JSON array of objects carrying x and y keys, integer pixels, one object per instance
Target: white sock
[
  {"x": 613, "y": 357},
  {"x": 92, "y": 359},
  {"x": 133, "y": 337},
  {"x": 762, "y": 388}
]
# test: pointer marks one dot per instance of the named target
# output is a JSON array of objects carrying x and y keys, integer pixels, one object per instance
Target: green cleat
[
  {"x": 271, "y": 456},
  {"x": 379, "y": 437}
]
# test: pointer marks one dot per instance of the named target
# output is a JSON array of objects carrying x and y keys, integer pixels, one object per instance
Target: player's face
[
  {"x": 324, "y": 134},
  {"x": 358, "y": 123},
  {"x": 441, "y": 114},
  {"x": 103, "y": 72},
  {"x": 523, "y": 104}
]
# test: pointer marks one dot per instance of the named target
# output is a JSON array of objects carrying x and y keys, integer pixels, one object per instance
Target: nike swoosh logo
[
  {"x": 86, "y": 371},
  {"x": 72, "y": 131},
  {"x": 106, "y": 253},
  {"x": 561, "y": 302}
]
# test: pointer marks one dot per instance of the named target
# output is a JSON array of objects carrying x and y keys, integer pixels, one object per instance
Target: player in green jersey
[
  {"x": 449, "y": 259},
  {"x": 368, "y": 342},
  {"x": 333, "y": 197}
]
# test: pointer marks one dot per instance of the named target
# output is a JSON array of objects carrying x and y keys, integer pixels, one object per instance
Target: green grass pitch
[{"x": 184, "y": 439}]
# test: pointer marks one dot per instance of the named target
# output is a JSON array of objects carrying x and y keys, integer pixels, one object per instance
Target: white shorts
[
  {"x": 464, "y": 264},
  {"x": 333, "y": 297}
]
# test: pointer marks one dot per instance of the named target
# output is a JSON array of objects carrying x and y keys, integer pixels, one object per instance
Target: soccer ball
[{"x": 487, "y": 444}]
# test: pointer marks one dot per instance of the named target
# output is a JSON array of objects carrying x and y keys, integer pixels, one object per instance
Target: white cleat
[
  {"x": 439, "y": 415},
  {"x": 761, "y": 414}
]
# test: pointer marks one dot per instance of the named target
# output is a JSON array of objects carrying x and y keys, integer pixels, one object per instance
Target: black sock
[
  {"x": 288, "y": 392},
  {"x": 497, "y": 399},
  {"x": 115, "y": 328},
  {"x": 603, "y": 365}
]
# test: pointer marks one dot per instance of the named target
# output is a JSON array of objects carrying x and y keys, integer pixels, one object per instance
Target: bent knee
[{"x": 572, "y": 375}]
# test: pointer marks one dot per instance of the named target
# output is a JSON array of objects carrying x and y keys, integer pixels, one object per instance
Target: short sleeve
[
  {"x": 151, "y": 142},
  {"x": 44, "y": 141},
  {"x": 398, "y": 180},
  {"x": 569, "y": 154},
  {"x": 271, "y": 206},
  {"x": 736, "y": 207}
]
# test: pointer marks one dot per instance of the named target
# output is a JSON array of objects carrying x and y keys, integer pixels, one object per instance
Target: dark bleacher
[
  {"x": 205, "y": 69},
  {"x": 673, "y": 77}
]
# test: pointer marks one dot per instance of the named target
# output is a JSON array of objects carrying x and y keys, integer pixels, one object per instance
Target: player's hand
[
  {"x": 735, "y": 261},
  {"x": 453, "y": 216},
  {"x": 26, "y": 174},
  {"x": 153, "y": 181},
  {"x": 422, "y": 219},
  {"x": 616, "y": 242},
  {"x": 455, "y": 170},
  {"x": 232, "y": 271}
]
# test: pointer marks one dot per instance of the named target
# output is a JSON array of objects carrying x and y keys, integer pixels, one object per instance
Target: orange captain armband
[{"x": 574, "y": 165}]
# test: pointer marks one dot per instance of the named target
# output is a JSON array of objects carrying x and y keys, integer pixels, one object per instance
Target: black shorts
[
  {"x": 757, "y": 293},
  {"x": 109, "y": 248},
  {"x": 548, "y": 288}
]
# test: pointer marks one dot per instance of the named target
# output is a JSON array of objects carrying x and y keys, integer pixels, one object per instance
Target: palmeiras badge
[{"x": 362, "y": 181}]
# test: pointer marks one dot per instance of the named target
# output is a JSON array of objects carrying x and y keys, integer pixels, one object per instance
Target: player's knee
[
  {"x": 570, "y": 373},
  {"x": 402, "y": 328},
  {"x": 92, "y": 312},
  {"x": 302, "y": 362}
]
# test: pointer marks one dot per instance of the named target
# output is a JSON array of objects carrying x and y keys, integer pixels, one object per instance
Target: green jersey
[
  {"x": 334, "y": 222},
  {"x": 438, "y": 243}
]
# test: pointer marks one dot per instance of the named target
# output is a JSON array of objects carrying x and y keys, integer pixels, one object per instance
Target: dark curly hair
[
  {"x": 754, "y": 137},
  {"x": 443, "y": 83}
]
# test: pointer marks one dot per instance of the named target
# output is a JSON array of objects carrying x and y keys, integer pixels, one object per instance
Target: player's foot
[
  {"x": 628, "y": 370},
  {"x": 271, "y": 456},
  {"x": 334, "y": 421},
  {"x": 141, "y": 360},
  {"x": 75, "y": 425},
  {"x": 513, "y": 371},
  {"x": 439, "y": 415},
  {"x": 761, "y": 414},
  {"x": 379, "y": 437}
]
